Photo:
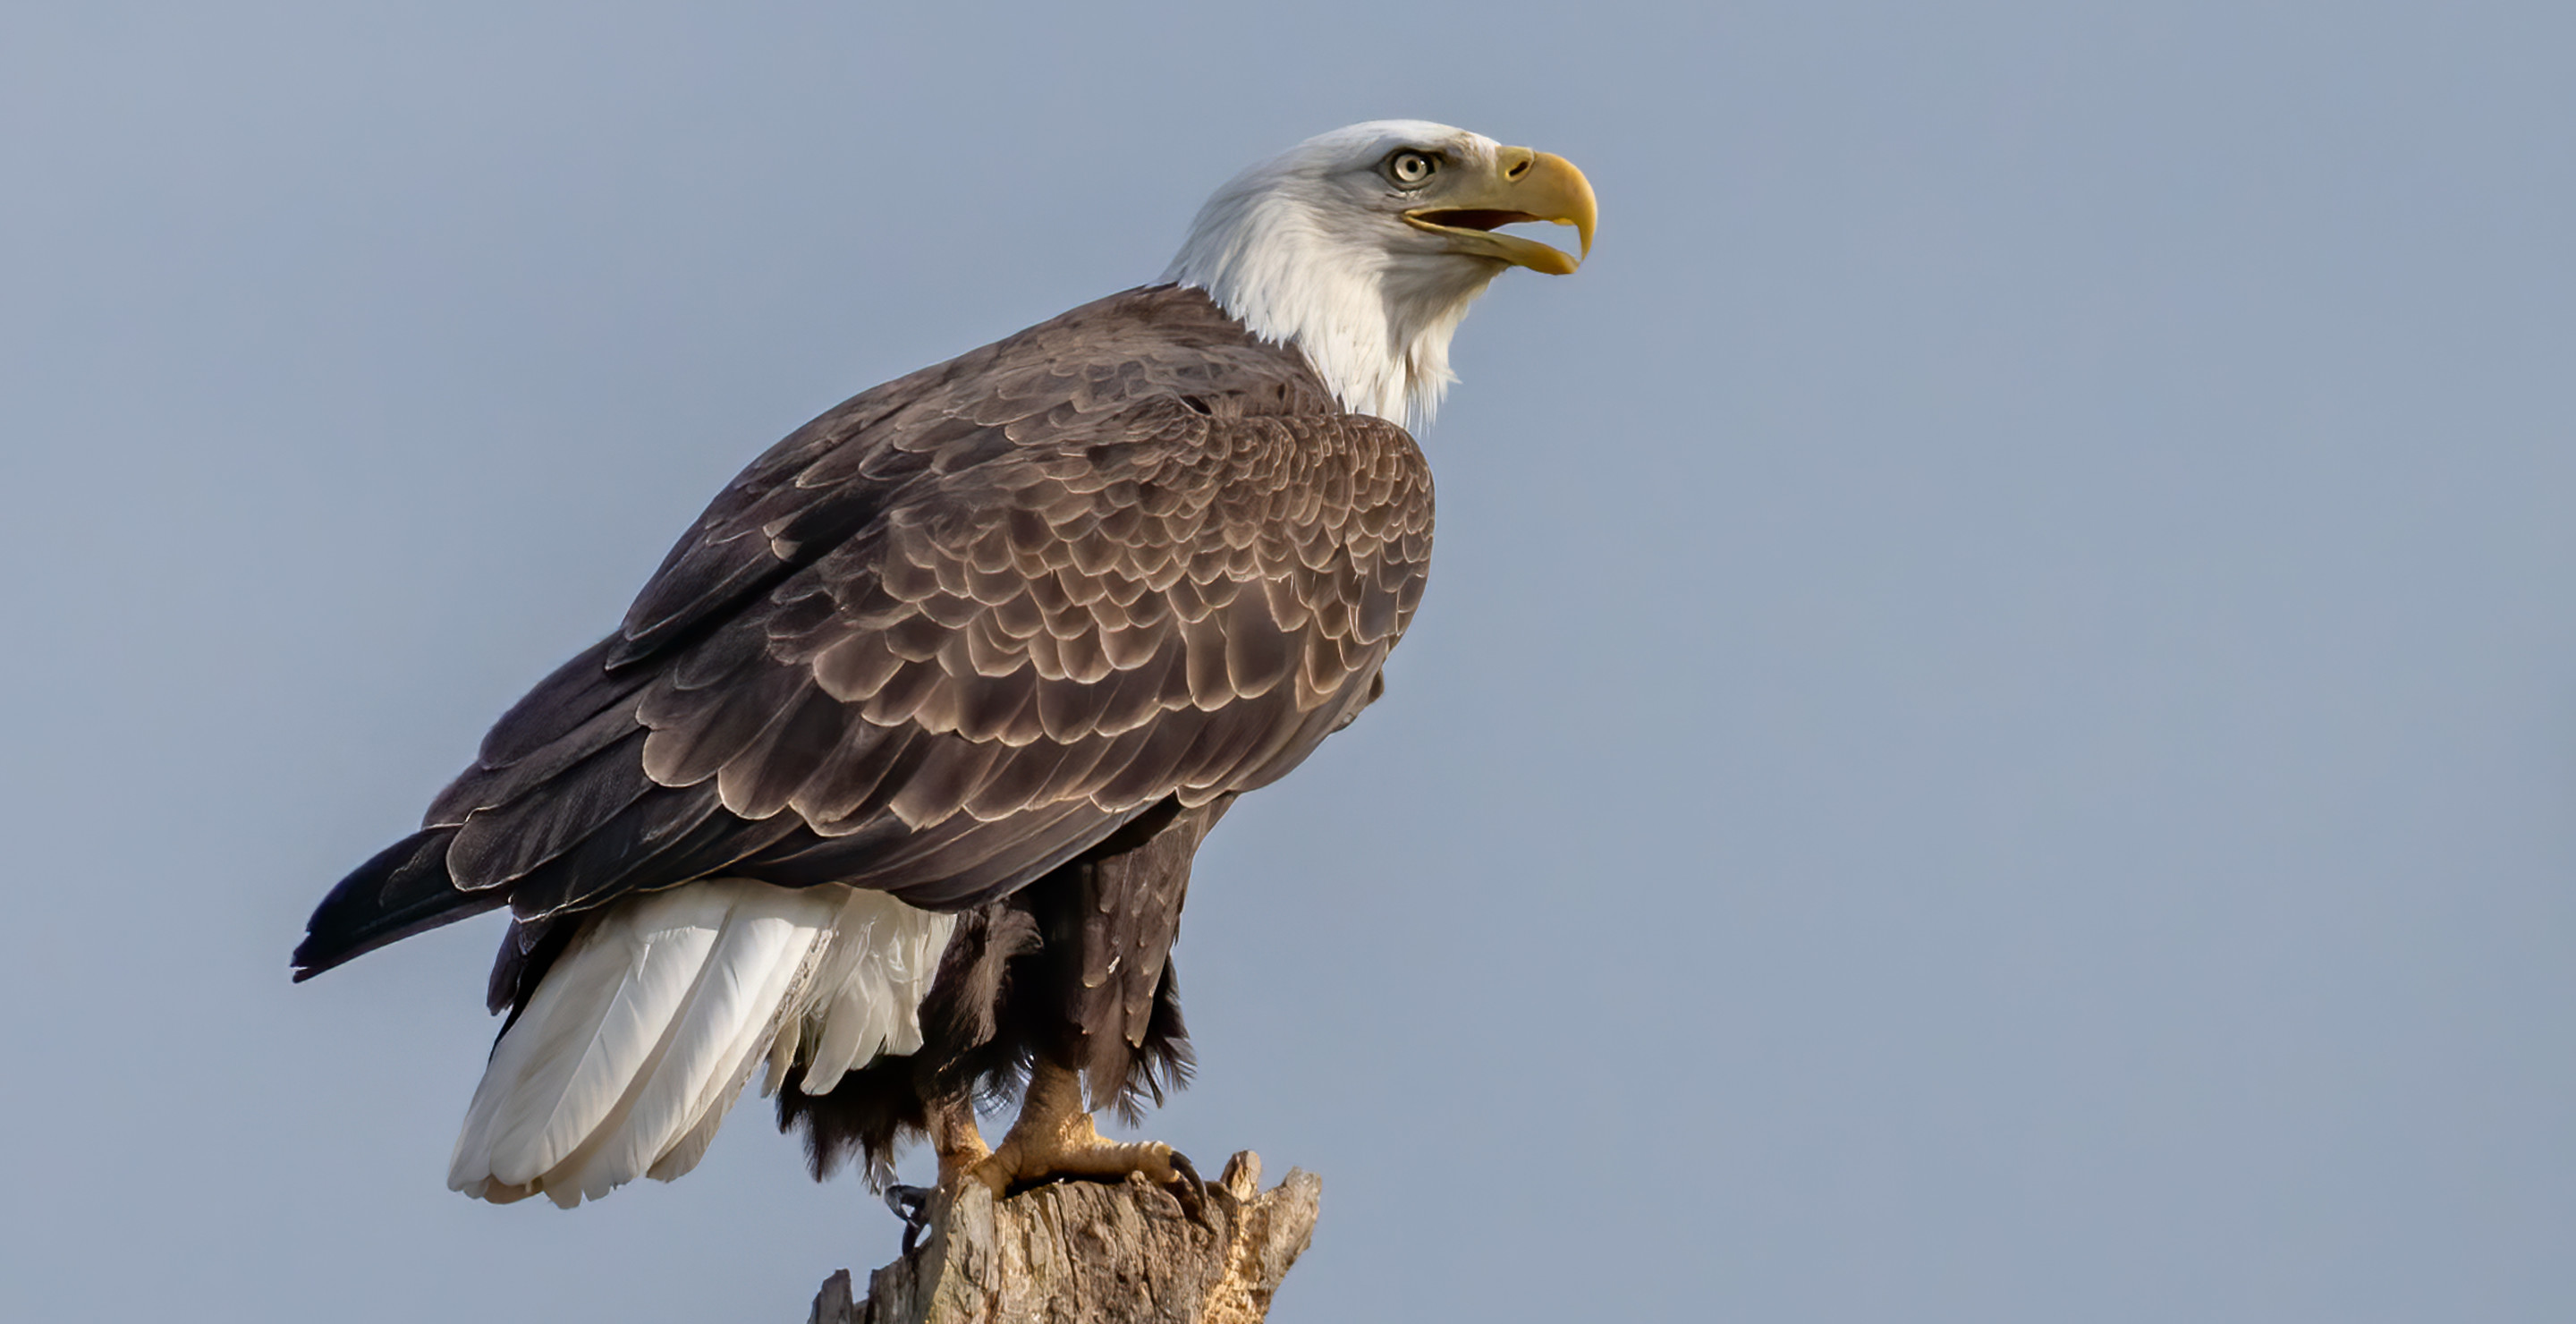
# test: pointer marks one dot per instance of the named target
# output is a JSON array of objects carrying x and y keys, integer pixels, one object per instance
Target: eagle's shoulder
[{"x": 925, "y": 436}]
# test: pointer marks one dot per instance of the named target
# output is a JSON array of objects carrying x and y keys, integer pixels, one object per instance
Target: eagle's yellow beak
[{"x": 1522, "y": 186}]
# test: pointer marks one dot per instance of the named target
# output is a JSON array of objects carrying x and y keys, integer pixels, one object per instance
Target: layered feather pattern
[
  {"x": 625, "y": 1060},
  {"x": 953, "y": 633},
  {"x": 949, "y": 637}
]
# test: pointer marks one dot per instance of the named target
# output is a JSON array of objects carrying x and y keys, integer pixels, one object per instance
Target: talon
[
  {"x": 912, "y": 1205},
  {"x": 1187, "y": 1186},
  {"x": 909, "y": 1203}
]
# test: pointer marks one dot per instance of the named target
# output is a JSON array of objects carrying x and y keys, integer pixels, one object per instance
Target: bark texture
[{"x": 1094, "y": 1253}]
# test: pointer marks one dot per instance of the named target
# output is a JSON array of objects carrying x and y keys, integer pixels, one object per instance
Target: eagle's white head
[{"x": 1363, "y": 247}]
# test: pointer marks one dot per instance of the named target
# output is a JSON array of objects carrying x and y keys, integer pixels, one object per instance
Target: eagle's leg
[
  {"x": 960, "y": 1146},
  {"x": 1054, "y": 1137},
  {"x": 956, "y": 1139}
]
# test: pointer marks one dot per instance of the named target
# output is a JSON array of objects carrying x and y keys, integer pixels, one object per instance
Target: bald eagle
[{"x": 885, "y": 792}]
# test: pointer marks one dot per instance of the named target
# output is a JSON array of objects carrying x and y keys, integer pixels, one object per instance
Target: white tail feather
[{"x": 639, "y": 1039}]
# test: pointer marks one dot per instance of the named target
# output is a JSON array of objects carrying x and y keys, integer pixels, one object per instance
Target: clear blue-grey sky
[{"x": 1994, "y": 736}]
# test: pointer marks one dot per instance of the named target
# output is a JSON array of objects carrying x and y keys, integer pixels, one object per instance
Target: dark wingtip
[{"x": 402, "y": 891}]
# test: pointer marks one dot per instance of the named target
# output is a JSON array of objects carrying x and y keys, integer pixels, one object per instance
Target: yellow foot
[
  {"x": 1026, "y": 1160},
  {"x": 1054, "y": 1138}
]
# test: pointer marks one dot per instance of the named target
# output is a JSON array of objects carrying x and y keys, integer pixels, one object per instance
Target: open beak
[{"x": 1524, "y": 186}]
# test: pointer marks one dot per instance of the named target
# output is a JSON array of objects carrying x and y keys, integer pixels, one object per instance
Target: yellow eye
[{"x": 1409, "y": 168}]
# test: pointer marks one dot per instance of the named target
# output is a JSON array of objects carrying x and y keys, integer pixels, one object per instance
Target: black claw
[
  {"x": 912, "y": 1205},
  {"x": 1191, "y": 1190}
]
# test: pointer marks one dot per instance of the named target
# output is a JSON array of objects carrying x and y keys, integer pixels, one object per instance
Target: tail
[
  {"x": 627, "y": 1057},
  {"x": 404, "y": 890}
]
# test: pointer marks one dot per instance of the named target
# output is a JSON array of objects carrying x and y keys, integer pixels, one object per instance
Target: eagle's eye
[{"x": 1410, "y": 168}]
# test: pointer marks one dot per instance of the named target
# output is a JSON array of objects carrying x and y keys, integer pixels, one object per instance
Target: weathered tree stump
[{"x": 1094, "y": 1253}]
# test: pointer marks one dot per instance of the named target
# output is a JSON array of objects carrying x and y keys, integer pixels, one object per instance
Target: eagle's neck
[{"x": 1374, "y": 324}]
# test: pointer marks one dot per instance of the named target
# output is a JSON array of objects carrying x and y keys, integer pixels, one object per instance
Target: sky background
[{"x": 1993, "y": 737}]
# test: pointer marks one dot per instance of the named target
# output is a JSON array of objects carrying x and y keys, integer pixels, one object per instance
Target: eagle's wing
[{"x": 942, "y": 639}]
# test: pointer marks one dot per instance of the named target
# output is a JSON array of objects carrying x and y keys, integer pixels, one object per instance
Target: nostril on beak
[{"x": 1517, "y": 171}]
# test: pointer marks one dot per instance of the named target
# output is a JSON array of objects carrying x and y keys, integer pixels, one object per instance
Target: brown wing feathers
[{"x": 953, "y": 633}]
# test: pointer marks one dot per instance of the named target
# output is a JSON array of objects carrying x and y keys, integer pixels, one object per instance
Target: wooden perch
[{"x": 1094, "y": 1253}]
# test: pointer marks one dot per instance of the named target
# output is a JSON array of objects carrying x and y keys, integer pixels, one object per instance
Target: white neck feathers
[{"x": 1282, "y": 249}]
